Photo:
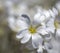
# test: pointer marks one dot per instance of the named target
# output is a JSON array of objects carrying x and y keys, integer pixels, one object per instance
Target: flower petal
[
  {"x": 40, "y": 49},
  {"x": 17, "y": 24},
  {"x": 50, "y": 25},
  {"x": 26, "y": 37},
  {"x": 47, "y": 14},
  {"x": 22, "y": 24},
  {"x": 20, "y": 34},
  {"x": 11, "y": 23},
  {"x": 39, "y": 18},
  {"x": 26, "y": 18},
  {"x": 50, "y": 29},
  {"x": 36, "y": 40},
  {"x": 42, "y": 30}
]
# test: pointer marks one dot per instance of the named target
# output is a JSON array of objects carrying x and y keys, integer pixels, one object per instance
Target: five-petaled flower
[{"x": 35, "y": 32}]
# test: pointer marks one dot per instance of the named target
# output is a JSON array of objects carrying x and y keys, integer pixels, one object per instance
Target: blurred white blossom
[
  {"x": 35, "y": 32},
  {"x": 38, "y": 28}
]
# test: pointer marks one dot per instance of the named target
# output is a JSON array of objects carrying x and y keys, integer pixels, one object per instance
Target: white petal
[
  {"x": 20, "y": 34},
  {"x": 42, "y": 30},
  {"x": 50, "y": 29},
  {"x": 22, "y": 24},
  {"x": 40, "y": 49},
  {"x": 26, "y": 18},
  {"x": 17, "y": 24},
  {"x": 39, "y": 18},
  {"x": 50, "y": 25},
  {"x": 36, "y": 18},
  {"x": 26, "y": 37},
  {"x": 52, "y": 13},
  {"x": 47, "y": 14},
  {"x": 36, "y": 40}
]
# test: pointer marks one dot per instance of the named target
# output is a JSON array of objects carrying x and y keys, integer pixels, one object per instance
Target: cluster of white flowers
[{"x": 37, "y": 29}]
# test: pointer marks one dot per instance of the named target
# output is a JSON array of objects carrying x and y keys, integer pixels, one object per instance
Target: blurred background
[{"x": 8, "y": 42}]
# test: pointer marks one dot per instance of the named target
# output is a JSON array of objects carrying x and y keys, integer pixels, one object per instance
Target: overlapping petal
[
  {"x": 20, "y": 34},
  {"x": 42, "y": 30},
  {"x": 17, "y": 24},
  {"x": 40, "y": 49},
  {"x": 50, "y": 25},
  {"x": 36, "y": 40},
  {"x": 26, "y": 37},
  {"x": 22, "y": 24},
  {"x": 38, "y": 18}
]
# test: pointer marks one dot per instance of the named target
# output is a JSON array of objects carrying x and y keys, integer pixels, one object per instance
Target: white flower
[
  {"x": 47, "y": 17},
  {"x": 31, "y": 31},
  {"x": 42, "y": 16}
]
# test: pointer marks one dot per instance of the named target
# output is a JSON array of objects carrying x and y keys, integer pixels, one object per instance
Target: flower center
[
  {"x": 32, "y": 30},
  {"x": 56, "y": 24}
]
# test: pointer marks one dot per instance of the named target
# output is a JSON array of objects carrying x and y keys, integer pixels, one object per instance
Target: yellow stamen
[
  {"x": 32, "y": 30},
  {"x": 56, "y": 23}
]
